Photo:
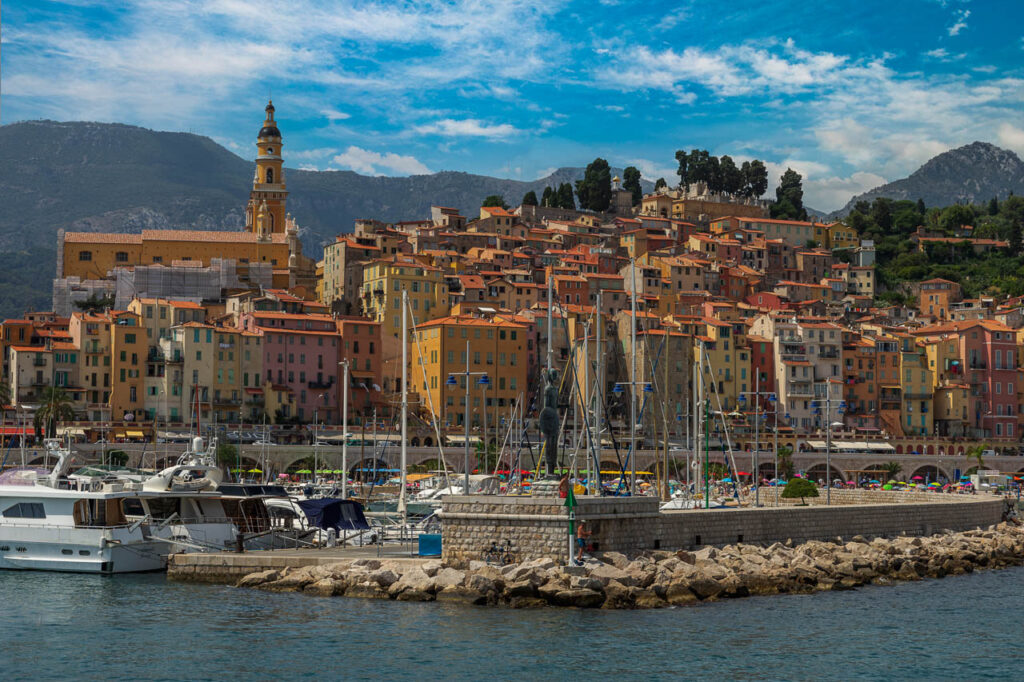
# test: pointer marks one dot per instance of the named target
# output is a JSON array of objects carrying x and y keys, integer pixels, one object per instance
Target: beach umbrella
[
  {"x": 917, "y": 478},
  {"x": 873, "y": 480},
  {"x": 726, "y": 480},
  {"x": 303, "y": 471},
  {"x": 887, "y": 486},
  {"x": 282, "y": 475},
  {"x": 934, "y": 484}
]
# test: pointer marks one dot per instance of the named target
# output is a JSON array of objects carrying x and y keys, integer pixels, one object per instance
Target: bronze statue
[{"x": 549, "y": 423}]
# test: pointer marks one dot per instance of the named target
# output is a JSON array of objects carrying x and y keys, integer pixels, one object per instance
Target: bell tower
[{"x": 268, "y": 186}]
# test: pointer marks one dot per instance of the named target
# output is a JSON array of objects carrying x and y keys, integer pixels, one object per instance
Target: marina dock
[{"x": 229, "y": 567}]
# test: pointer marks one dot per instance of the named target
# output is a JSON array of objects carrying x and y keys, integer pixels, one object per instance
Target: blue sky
[{"x": 851, "y": 94}]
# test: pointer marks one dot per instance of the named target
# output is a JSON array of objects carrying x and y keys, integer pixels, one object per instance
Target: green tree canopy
[
  {"x": 529, "y": 199},
  {"x": 954, "y": 217},
  {"x": 631, "y": 181},
  {"x": 495, "y": 200},
  {"x": 659, "y": 183},
  {"x": 789, "y": 197},
  {"x": 732, "y": 179},
  {"x": 565, "y": 198},
  {"x": 595, "y": 189},
  {"x": 799, "y": 488},
  {"x": 546, "y": 198}
]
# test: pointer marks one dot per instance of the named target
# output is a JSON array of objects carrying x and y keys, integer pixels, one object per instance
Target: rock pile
[{"x": 659, "y": 578}]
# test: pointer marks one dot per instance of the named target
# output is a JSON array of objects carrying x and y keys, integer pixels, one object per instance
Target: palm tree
[
  {"x": 892, "y": 469},
  {"x": 977, "y": 453},
  {"x": 55, "y": 404}
]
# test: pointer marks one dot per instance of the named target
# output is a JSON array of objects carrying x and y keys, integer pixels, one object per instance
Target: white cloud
[
  {"x": 470, "y": 127},
  {"x": 652, "y": 170},
  {"x": 374, "y": 163},
  {"x": 670, "y": 20},
  {"x": 333, "y": 115},
  {"x": 960, "y": 22},
  {"x": 831, "y": 193},
  {"x": 311, "y": 155},
  {"x": 944, "y": 55},
  {"x": 1012, "y": 137}
]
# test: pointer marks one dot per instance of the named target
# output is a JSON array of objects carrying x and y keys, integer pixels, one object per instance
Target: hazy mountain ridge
[
  {"x": 970, "y": 174},
  {"x": 104, "y": 177}
]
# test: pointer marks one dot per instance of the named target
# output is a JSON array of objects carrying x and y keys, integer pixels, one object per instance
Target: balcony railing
[
  {"x": 321, "y": 384},
  {"x": 977, "y": 364}
]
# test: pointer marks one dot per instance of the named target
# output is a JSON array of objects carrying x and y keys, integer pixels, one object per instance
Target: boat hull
[{"x": 79, "y": 550}]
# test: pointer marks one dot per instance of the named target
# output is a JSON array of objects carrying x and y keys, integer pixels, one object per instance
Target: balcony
[
  {"x": 154, "y": 355},
  {"x": 977, "y": 364},
  {"x": 800, "y": 389},
  {"x": 317, "y": 385},
  {"x": 828, "y": 353},
  {"x": 39, "y": 362}
]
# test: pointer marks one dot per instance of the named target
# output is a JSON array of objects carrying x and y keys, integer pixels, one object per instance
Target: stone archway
[
  {"x": 428, "y": 442},
  {"x": 766, "y": 471},
  {"x": 817, "y": 472},
  {"x": 414, "y": 442},
  {"x": 928, "y": 473},
  {"x": 369, "y": 470}
]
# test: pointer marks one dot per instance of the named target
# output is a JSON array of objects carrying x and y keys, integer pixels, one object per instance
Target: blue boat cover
[{"x": 329, "y": 512}]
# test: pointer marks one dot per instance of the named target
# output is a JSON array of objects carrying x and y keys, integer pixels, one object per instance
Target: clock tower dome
[{"x": 268, "y": 186}]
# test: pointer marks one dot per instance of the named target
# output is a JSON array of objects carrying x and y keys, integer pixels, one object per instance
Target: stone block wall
[
  {"x": 859, "y": 496},
  {"x": 539, "y": 527}
]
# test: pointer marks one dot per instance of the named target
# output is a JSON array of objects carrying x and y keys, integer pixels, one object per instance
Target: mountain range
[
  {"x": 971, "y": 174},
  {"x": 102, "y": 177}
]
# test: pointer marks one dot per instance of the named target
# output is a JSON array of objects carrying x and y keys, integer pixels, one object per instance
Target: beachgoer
[
  {"x": 563, "y": 487},
  {"x": 582, "y": 533}
]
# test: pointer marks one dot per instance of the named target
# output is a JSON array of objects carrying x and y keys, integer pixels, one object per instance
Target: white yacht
[{"x": 49, "y": 521}]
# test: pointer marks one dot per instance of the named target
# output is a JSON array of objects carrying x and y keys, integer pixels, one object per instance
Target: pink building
[{"x": 301, "y": 352}]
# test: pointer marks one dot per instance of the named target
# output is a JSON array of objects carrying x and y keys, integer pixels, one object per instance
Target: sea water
[{"x": 63, "y": 626}]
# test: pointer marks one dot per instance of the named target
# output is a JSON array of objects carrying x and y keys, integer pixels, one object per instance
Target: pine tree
[
  {"x": 595, "y": 189},
  {"x": 661, "y": 182},
  {"x": 530, "y": 198},
  {"x": 546, "y": 198},
  {"x": 631, "y": 181},
  {"x": 565, "y": 198},
  {"x": 789, "y": 197}
]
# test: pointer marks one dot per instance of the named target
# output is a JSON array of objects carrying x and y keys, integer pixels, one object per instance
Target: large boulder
[
  {"x": 678, "y": 593},
  {"x": 326, "y": 587},
  {"x": 616, "y": 559},
  {"x": 461, "y": 595},
  {"x": 255, "y": 579},
  {"x": 706, "y": 588},
  {"x": 294, "y": 581},
  {"x": 413, "y": 580},
  {"x": 432, "y": 567},
  {"x": 585, "y": 582},
  {"x": 619, "y": 596},
  {"x": 608, "y": 572},
  {"x": 449, "y": 577},
  {"x": 583, "y": 598},
  {"x": 384, "y": 577},
  {"x": 648, "y": 599},
  {"x": 519, "y": 589},
  {"x": 368, "y": 589}
]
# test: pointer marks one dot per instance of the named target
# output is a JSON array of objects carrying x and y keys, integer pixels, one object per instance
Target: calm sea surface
[{"x": 56, "y": 626}]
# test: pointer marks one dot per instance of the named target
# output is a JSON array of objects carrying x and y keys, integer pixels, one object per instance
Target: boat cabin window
[
  {"x": 164, "y": 507},
  {"x": 25, "y": 510},
  {"x": 92, "y": 513},
  {"x": 133, "y": 507}
]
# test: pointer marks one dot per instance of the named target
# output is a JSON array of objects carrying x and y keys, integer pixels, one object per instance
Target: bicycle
[{"x": 499, "y": 556}]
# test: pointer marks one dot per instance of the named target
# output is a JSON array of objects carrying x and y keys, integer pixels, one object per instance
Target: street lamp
[{"x": 452, "y": 381}]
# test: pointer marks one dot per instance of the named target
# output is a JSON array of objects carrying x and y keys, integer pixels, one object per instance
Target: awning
[
  {"x": 461, "y": 440},
  {"x": 135, "y": 434},
  {"x": 333, "y": 513},
  {"x": 120, "y": 434},
  {"x": 70, "y": 431},
  {"x": 16, "y": 431}
]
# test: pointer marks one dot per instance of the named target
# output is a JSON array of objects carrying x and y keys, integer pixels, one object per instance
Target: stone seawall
[{"x": 538, "y": 527}]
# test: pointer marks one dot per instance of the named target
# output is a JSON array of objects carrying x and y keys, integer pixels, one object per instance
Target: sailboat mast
[
  {"x": 599, "y": 377},
  {"x": 405, "y": 404},
  {"x": 632, "y": 382}
]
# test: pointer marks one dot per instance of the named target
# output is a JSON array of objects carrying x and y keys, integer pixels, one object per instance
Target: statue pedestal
[{"x": 544, "y": 488}]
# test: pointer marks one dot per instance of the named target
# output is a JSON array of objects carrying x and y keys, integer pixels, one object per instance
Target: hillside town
[{"x": 153, "y": 331}]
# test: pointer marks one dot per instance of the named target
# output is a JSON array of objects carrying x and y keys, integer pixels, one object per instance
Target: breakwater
[
  {"x": 538, "y": 527},
  {"x": 653, "y": 578}
]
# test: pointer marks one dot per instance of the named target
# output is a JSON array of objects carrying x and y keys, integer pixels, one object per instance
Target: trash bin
[{"x": 430, "y": 544}]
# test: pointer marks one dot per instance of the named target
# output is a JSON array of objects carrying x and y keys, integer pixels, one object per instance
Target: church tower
[{"x": 268, "y": 186}]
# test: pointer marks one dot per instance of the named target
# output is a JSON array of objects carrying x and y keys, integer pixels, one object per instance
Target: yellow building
[
  {"x": 836, "y": 236},
  {"x": 270, "y": 238},
  {"x": 127, "y": 360},
  {"x": 385, "y": 279},
  {"x": 916, "y": 382},
  {"x": 498, "y": 348},
  {"x": 725, "y": 351},
  {"x": 91, "y": 335}
]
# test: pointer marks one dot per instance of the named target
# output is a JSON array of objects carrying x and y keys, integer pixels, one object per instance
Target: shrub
[{"x": 799, "y": 487}]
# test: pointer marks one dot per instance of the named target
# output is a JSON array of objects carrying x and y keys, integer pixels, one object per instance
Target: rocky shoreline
[{"x": 658, "y": 579}]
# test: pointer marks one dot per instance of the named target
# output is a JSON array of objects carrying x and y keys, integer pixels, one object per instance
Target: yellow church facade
[{"x": 270, "y": 236}]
